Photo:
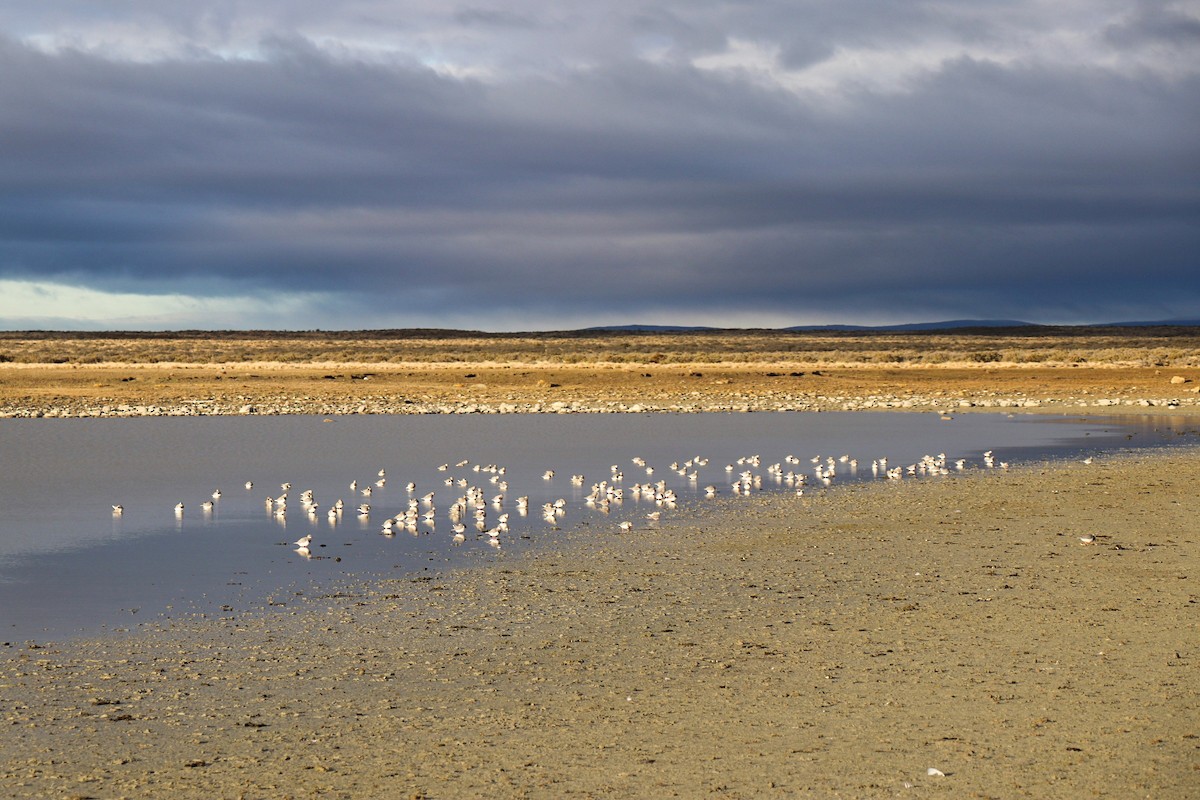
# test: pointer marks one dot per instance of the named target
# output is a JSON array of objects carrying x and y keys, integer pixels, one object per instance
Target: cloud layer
[{"x": 543, "y": 165}]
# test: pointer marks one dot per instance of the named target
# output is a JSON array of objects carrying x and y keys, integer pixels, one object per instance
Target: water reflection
[{"x": 380, "y": 494}]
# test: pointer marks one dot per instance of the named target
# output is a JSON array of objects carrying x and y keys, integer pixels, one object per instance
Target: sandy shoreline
[
  {"x": 834, "y": 646},
  {"x": 134, "y": 390}
]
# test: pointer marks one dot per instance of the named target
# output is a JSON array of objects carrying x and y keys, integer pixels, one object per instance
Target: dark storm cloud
[
  {"x": 1155, "y": 22},
  {"x": 493, "y": 18},
  {"x": 628, "y": 187}
]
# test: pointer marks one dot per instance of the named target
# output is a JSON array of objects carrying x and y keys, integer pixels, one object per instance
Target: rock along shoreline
[{"x": 268, "y": 406}]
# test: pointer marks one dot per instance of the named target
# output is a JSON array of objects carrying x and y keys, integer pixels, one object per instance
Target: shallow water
[{"x": 69, "y": 566}]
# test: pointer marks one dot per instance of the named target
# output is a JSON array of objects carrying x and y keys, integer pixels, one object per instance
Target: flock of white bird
[{"x": 480, "y": 502}]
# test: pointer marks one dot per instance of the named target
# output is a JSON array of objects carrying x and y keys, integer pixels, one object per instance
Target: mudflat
[{"x": 947, "y": 637}]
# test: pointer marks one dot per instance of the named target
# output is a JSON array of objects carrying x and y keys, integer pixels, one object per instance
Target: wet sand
[{"x": 835, "y": 645}]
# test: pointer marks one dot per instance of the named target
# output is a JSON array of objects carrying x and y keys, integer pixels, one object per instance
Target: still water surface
[{"x": 69, "y": 566}]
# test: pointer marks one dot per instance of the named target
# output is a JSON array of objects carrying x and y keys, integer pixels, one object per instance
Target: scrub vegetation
[
  {"x": 1041, "y": 346},
  {"x": 438, "y": 371}
]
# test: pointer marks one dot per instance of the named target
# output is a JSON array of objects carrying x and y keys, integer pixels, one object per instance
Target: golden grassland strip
[
  {"x": 391, "y": 372},
  {"x": 1132, "y": 347}
]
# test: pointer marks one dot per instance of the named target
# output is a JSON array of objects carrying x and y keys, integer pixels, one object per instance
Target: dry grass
[
  {"x": 395, "y": 371},
  {"x": 1050, "y": 347}
]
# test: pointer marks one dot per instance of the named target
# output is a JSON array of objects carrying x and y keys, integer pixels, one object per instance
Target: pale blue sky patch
[{"x": 26, "y": 305}]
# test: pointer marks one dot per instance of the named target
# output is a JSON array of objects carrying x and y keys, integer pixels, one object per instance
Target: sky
[{"x": 535, "y": 165}]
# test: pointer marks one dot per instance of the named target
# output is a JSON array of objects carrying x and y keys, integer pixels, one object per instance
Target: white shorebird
[
  {"x": 179, "y": 508},
  {"x": 1087, "y": 538},
  {"x": 304, "y": 541},
  {"x": 118, "y": 510},
  {"x": 216, "y": 495}
]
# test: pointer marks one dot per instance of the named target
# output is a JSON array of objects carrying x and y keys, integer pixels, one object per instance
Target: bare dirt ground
[{"x": 416, "y": 373}]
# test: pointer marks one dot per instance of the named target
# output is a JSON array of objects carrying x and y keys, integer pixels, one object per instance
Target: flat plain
[
  {"x": 999, "y": 634},
  {"x": 67, "y": 374}
]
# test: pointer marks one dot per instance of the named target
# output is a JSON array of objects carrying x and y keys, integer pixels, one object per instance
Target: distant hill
[
  {"x": 946, "y": 325},
  {"x": 651, "y": 328},
  {"x": 967, "y": 326},
  {"x": 910, "y": 327},
  {"x": 1162, "y": 323}
]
